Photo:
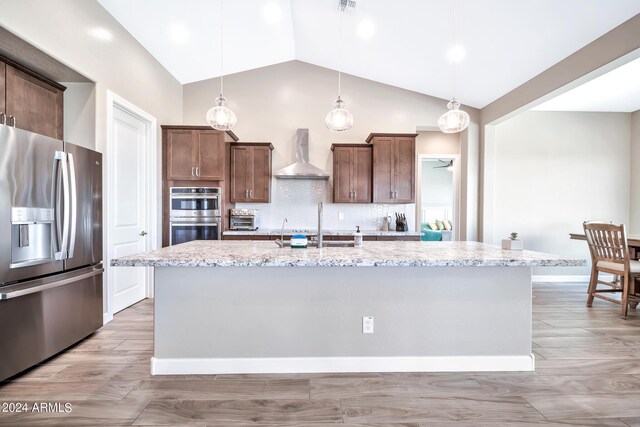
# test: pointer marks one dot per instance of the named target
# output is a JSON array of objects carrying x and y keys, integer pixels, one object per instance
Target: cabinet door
[
  {"x": 361, "y": 175},
  {"x": 342, "y": 174},
  {"x": 36, "y": 105},
  {"x": 404, "y": 169},
  {"x": 383, "y": 170},
  {"x": 240, "y": 169},
  {"x": 211, "y": 155},
  {"x": 260, "y": 179},
  {"x": 182, "y": 155}
]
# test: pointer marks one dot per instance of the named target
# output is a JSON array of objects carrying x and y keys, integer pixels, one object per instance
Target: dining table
[{"x": 633, "y": 243}]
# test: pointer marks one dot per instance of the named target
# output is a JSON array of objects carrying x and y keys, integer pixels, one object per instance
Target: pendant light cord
[
  {"x": 340, "y": 12},
  {"x": 453, "y": 51},
  {"x": 221, "y": 46}
]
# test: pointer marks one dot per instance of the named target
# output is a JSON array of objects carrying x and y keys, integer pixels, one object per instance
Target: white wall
[
  {"x": 436, "y": 142},
  {"x": 554, "y": 170},
  {"x": 634, "y": 210},
  {"x": 272, "y": 102},
  {"x": 470, "y": 187},
  {"x": 80, "y": 114}
]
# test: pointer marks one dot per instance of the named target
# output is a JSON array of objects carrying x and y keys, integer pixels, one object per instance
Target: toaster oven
[{"x": 243, "y": 219}]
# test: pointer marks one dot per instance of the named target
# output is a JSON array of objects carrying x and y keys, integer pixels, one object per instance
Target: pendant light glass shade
[
  {"x": 455, "y": 120},
  {"x": 220, "y": 117},
  {"x": 339, "y": 119}
]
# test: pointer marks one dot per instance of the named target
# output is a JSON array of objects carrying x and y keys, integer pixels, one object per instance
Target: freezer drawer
[{"x": 43, "y": 317}]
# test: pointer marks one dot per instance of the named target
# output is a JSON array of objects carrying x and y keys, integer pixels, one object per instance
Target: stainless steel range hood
[{"x": 301, "y": 169}]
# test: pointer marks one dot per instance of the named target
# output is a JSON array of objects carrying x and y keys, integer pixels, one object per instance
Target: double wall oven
[{"x": 194, "y": 214}]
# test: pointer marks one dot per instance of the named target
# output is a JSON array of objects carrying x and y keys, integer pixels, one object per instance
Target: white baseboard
[
  {"x": 287, "y": 365},
  {"x": 559, "y": 278},
  {"x": 566, "y": 279},
  {"x": 106, "y": 318}
]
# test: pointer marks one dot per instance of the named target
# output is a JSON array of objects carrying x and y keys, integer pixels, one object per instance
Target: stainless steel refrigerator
[{"x": 50, "y": 247}]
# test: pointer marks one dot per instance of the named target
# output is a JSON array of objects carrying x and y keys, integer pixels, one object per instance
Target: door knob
[{"x": 144, "y": 233}]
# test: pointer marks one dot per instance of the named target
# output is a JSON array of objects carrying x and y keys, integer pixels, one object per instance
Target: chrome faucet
[
  {"x": 319, "y": 225},
  {"x": 284, "y": 221}
]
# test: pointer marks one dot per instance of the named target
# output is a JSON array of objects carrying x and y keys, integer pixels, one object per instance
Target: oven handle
[
  {"x": 196, "y": 196},
  {"x": 194, "y": 224}
]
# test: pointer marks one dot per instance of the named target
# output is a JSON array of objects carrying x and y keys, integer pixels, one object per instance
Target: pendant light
[
  {"x": 339, "y": 119},
  {"x": 455, "y": 120},
  {"x": 220, "y": 117}
]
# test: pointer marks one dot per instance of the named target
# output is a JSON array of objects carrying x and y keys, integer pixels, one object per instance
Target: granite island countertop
[
  {"x": 245, "y": 253},
  {"x": 314, "y": 232}
]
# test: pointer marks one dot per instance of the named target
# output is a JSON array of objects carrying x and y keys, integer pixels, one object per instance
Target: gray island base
[{"x": 250, "y": 307}]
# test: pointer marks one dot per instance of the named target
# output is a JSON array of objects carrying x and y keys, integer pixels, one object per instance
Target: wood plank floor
[{"x": 587, "y": 374}]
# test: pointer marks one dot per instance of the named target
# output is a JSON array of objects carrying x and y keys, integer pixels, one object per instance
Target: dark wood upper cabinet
[
  {"x": 194, "y": 153},
  {"x": 351, "y": 173},
  {"x": 261, "y": 173},
  {"x": 211, "y": 155},
  {"x": 182, "y": 152},
  {"x": 250, "y": 172},
  {"x": 240, "y": 174},
  {"x": 30, "y": 102},
  {"x": 394, "y": 176},
  {"x": 3, "y": 109}
]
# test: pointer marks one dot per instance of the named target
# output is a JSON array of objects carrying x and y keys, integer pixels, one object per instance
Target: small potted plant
[{"x": 512, "y": 243}]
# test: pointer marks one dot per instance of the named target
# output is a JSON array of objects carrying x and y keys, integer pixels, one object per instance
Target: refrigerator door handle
[
  {"x": 55, "y": 192},
  {"x": 62, "y": 157},
  {"x": 74, "y": 204}
]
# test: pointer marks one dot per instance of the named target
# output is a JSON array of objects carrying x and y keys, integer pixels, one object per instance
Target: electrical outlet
[
  {"x": 340, "y": 216},
  {"x": 367, "y": 324}
]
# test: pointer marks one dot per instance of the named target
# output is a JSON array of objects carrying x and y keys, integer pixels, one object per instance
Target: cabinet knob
[
  {"x": 193, "y": 171},
  {"x": 144, "y": 233},
  {"x": 12, "y": 120},
  {"x": 3, "y": 118}
]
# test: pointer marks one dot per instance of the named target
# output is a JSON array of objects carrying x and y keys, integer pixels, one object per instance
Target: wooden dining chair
[{"x": 609, "y": 254}]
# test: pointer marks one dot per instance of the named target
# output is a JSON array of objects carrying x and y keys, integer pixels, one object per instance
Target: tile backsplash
[{"x": 297, "y": 200}]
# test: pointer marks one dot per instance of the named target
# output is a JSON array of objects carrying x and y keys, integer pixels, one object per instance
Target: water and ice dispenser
[{"x": 31, "y": 234}]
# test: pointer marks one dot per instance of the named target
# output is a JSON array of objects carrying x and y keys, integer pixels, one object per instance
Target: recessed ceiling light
[
  {"x": 366, "y": 29},
  {"x": 456, "y": 53},
  {"x": 272, "y": 12},
  {"x": 179, "y": 33},
  {"x": 100, "y": 33}
]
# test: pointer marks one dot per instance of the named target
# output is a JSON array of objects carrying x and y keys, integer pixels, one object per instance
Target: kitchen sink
[{"x": 325, "y": 243}]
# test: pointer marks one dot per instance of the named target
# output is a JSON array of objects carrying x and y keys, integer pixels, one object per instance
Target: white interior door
[{"x": 128, "y": 206}]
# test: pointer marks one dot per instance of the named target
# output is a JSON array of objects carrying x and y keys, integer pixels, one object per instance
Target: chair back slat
[{"x": 607, "y": 242}]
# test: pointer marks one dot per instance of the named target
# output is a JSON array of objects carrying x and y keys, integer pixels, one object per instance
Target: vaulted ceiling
[{"x": 404, "y": 43}]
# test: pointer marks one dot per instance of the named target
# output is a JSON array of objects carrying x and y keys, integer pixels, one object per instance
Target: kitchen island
[{"x": 252, "y": 307}]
